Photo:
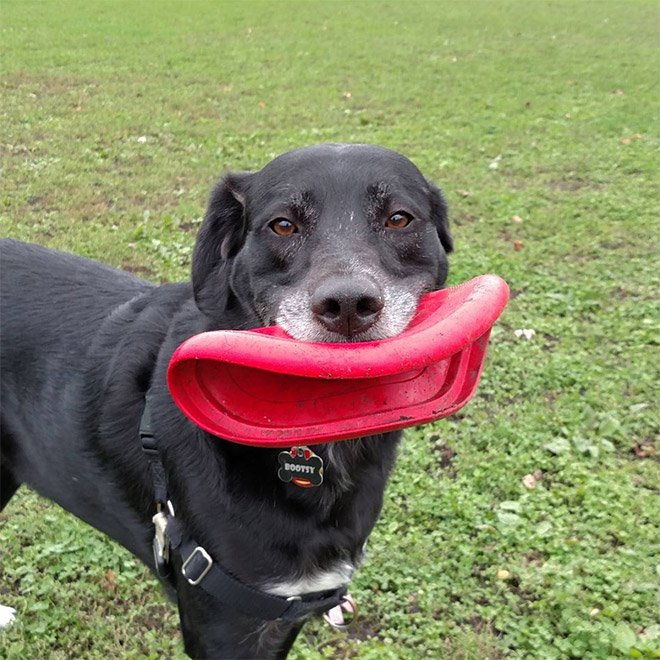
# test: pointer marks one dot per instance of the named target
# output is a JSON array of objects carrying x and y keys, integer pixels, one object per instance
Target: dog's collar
[{"x": 201, "y": 570}]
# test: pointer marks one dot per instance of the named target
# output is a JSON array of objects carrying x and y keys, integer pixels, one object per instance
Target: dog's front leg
[{"x": 212, "y": 629}]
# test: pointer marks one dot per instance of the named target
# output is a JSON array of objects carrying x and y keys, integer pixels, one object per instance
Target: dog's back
[{"x": 52, "y": 307}]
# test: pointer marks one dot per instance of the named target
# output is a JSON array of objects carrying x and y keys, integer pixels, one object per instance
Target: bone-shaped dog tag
[{"x": 300, "y": 466}]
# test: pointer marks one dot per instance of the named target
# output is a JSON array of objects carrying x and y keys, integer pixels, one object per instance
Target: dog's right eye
[
  {"x": 283, "y": 227},
  {"x": 398, "y": 220}
]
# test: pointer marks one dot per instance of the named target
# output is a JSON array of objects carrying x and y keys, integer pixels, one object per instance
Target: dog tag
[{"x": 300, "y": 466}]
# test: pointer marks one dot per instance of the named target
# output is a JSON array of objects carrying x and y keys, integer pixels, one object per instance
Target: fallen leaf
[
  {"x": 568, "y": 115},
  {"x": 346, "y": 95},
  {"x": 637, "y": 136},
  {"x": 110, "y": 582},
  {"x": 517, "y": 219},
  {"x": 77, "y": 108},
  {"x": 643, "y": 450},
  {"x": 503, "y": 574},
  {"x": 625, "y": 140},
  {"x": 262, "y": 104},
  {"x": 617, "y": 92},
  {"x": 527, "y": 333},
  {"x": 518, "y": 245},
  {"x": 464, "y": 193},
  {"x": 529, "y": 481}
]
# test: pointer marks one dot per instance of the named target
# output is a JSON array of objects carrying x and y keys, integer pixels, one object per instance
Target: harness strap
[
  {"x": 199, "y": 568},
  {"x": 150, "y": 449}
]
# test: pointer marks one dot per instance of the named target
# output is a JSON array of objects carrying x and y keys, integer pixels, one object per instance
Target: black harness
[{"x": 201, "y": 570}]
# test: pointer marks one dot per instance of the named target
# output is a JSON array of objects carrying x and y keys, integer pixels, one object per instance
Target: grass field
[{"x": 527, "y": 525}]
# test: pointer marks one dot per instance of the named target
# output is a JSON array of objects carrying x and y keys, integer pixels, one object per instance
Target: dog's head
[{"x": 332, "y": 243}]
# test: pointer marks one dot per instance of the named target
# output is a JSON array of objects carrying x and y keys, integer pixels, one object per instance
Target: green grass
[{"x": 543, "y": 110}]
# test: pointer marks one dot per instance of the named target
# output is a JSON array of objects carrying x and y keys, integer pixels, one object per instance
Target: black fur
[{"x": 82, "y": 343}]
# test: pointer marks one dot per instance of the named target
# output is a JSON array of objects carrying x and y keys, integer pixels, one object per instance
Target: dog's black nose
[{"x": 347, "y": 305}]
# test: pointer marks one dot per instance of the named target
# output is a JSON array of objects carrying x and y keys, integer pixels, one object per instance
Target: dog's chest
[{"x": 321, "y": 580}]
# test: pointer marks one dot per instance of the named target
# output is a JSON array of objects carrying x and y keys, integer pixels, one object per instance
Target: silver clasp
[{"x": 161, "y": 542}]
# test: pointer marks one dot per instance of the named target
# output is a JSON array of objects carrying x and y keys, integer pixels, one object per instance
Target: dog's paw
[{"x": 7, "y": 616}]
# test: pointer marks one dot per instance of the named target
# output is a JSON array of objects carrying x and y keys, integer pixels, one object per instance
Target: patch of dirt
[
  {"x": 551, "y": 397},
  {"x": 137, "y": 269},
  {"x": 645, "y": 449},
  {"x": 573, "y": 185},
  {"x": 464, "y": 218},
  {"x": 446, "y": 455},
  {"x": 613, "y": 245},
  {"x": 550, "y": 341},
  {"x": 445, "y": 452},
  {"x": 413, "y": 604},
  {"x": 362, "y": 629},
  {"x": 478, "y": 624},
  {"x": 190, "y": 227},
  {"x": 535, "y": 558},
  {"x": 49, "y": 85}
]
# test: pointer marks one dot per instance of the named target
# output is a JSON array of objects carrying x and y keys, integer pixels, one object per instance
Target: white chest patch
[{"x": 318, "y": 581}]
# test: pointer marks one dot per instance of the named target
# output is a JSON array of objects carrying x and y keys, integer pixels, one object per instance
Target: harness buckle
[{"x": 198, "y": 564}]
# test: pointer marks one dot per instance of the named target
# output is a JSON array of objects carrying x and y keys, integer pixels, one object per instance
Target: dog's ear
[
  {"x": 439, "y": 216},
  {"x": 220, "y": 237}
]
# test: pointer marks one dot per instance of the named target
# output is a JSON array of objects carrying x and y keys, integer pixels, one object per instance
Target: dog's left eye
[
  {"x": 283, "y": 227},
  {"x": 398, "y": 220}
]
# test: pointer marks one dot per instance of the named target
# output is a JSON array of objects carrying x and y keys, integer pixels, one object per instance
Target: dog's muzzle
[{"x": 347, "y": 305}]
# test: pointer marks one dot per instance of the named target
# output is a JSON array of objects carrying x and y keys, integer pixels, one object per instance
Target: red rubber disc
[{"x": 263, "y": 388}]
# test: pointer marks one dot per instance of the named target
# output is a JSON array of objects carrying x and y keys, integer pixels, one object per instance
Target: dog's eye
[
  {"x": 398, "y": 220},
  {"x": 283, "y": 227}
]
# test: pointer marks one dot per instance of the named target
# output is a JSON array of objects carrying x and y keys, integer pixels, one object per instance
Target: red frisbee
[{"x": 263, "y": 388}]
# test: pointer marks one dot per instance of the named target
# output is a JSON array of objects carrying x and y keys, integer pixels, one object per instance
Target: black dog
[{"x": 333, "y": 243}]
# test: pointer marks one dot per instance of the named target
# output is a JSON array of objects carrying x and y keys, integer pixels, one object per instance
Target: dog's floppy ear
[
  {"x": 439, "y": 216},
  {"x": 220, "y": 237}
]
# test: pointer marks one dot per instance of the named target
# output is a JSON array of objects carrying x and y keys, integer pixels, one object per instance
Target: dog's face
[{"x": 332, "y": 243}]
